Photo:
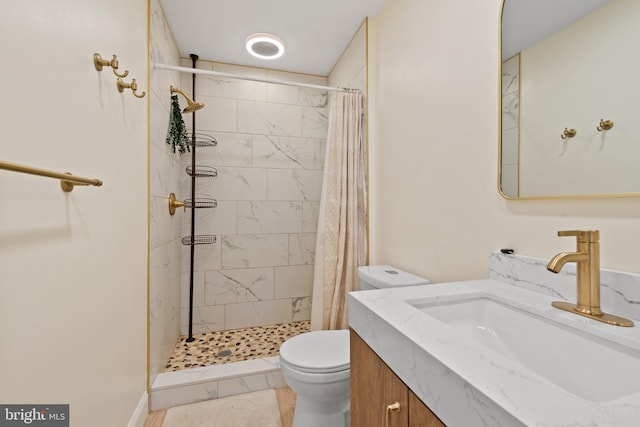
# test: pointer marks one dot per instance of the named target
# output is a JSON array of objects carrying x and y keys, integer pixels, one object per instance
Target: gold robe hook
[
  {"x": 568, "y": 133},
  {"x": 133, "y": 86},
  {"x": 605, "y": 125},
  {"x": 99, "y": 63}
]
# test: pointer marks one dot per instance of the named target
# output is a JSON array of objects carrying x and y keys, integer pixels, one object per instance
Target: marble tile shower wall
[
  {"x": 269, "y": 158},
  {"x": 165, "y": 230}
]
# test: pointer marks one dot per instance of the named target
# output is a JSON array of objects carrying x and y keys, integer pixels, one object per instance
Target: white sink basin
[{"x": 587, "y": 364}]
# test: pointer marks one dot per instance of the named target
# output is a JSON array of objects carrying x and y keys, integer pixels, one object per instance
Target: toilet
[{"x": 316, "y": 364}]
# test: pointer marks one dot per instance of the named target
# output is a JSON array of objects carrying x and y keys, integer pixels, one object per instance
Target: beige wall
[
  {"x": 436, "y": 211},
  {"x": 73, "y": 265},
  {"x": 572, "y": 79}
]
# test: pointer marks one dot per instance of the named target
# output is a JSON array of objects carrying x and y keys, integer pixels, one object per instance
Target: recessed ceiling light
[{"x": 264, "y": 45}]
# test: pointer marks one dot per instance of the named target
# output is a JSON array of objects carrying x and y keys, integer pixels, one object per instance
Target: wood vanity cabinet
[{"x": 375, "y": 389}]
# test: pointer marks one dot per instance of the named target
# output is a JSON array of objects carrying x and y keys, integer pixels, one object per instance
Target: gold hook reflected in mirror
[
  {"x": 568, "y": 133},
  {"x": 605, "y": 125},
  {"x": 133, "y": 86},
  {"x": 99, "y": 63}
]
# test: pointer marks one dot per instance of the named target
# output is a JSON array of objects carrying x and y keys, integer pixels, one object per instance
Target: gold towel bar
[{"x": 67, "y": 181}]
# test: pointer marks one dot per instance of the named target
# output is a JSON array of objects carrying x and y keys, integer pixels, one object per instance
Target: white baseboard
[{"x": 140, "y": 414}]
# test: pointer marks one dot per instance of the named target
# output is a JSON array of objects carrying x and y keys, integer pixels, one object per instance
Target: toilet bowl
[
  {"x": 316, "y": 364},
  {"x": 316, "y": 367}
]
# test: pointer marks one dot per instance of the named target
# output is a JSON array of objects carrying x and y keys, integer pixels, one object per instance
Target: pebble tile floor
[{"x": 213, "y": 348}]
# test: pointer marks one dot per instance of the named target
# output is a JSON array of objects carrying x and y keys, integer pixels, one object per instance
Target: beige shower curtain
[{"x": 341, "y": 245}]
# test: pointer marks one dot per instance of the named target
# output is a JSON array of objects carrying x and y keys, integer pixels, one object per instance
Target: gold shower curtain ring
[
  {"x": 568, "y": 133},
  {"x": 99, "y": 63},
  {"x": 605, "y": 125},
  {"x": 133, "y": 86}
]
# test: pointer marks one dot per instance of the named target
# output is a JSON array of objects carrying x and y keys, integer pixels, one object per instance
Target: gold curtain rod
[{"x": 67, "y": 181}]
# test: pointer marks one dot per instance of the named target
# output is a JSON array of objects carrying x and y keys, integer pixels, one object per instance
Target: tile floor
[{"x": 214, "y": 348}]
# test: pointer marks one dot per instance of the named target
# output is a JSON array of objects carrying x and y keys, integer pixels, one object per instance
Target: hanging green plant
[{"x": 177, "y": 136}]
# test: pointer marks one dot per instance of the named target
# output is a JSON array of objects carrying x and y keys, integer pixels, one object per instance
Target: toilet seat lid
[{"x": 317, "y": 351}]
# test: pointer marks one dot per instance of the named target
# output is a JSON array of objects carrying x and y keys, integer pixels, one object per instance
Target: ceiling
[{"x": 315, "y": 33}]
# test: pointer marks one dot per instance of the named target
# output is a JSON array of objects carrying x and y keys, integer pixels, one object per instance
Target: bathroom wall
[
  {"x": 269, "y": 160},
  {"x": 73, "y": 287},
  {"x": 566, "y": 84},
  {"x": 434, "y": 90},
  {"x": 165, "y": 230}
]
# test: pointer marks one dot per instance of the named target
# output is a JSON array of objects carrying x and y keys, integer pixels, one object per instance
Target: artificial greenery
[{"x": 177, "y": 136}]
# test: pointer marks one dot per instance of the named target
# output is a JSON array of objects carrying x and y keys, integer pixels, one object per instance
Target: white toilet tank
[{"x": 384, "y": 276}]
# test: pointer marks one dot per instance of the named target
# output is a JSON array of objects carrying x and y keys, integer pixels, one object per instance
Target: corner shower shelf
[
  {"x": 201, "y": 239},
  {"x": 201, "y": 203},
  {"x": 202, "y": 171}
]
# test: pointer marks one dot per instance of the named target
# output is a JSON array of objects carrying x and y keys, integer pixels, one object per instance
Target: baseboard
[{"x": 140, "y": 414}]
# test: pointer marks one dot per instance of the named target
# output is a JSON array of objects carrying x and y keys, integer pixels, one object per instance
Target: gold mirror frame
[{"x": 500, "y": 145}]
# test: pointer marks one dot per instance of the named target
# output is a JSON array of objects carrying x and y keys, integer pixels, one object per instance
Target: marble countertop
[{"x": 468, "y": 385}]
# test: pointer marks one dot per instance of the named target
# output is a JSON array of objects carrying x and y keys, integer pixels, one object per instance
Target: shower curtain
[{"x": 341, "y": 245}]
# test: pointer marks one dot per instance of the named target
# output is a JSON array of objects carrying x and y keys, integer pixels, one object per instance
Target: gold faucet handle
[{"x": 582, "y": 235}]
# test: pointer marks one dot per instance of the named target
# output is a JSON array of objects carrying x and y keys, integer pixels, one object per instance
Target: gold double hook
[
  {"x": 100, "y": 63},
  {"x": 133, "y": 86},
  {"x": 604, "y": 125},
  {"x": 568, "y": 133}
]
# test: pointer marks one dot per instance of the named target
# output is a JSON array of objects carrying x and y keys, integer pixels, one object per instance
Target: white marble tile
[
  {"x": 294, "y": 184},
  {"x": 269, "y": 217},
  {"x": 198, "y": 289},
  {"x": 167, "y": 398},
  {"x": 164, "y": 171},
  {"x": 210, "y": 382},
  {"x": 298, "y": 95},
  {"x": 250, "y": 383},
  {"x": 231, "y": 184},
  {"x": 234, "y": 286},
  {"x": 218, "y": 115},
  {"x": 219, "y": 220},
  {"x": 293, "y": 281},
  {"x": 233, "y": 149},
  {"x": 302, "y": 248},
  {"x": 182, "y": 377},
  {"x": 205, "y": 319},
  {"x": 225, "y": 87},
  {"x": 301, "y": 308},
  {"x": 269, "y": 119},
  {"x": 619, "y": 292},
  {"x": 260, "y": 313},
  {"x": 310, "y": 212},
  {"x": 164, "y": 267},
  {"x": 510, "y": 75},
  {"x": 510, "y": 110},
  {"x": 206, "y": 257},
  {"x": 510, "y": 147},
  {"x": 283, "y": 152},
  {"x": 315, "y": 122},
  {"x": 248, "y": 251}
]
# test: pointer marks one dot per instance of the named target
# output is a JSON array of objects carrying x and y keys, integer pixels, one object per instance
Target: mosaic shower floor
[{"x": 214, "y": 348}]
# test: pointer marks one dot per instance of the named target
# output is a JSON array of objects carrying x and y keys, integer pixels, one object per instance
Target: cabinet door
[
  {"x": 373, "y": 388},
  {"x": 420, "y": 415}
]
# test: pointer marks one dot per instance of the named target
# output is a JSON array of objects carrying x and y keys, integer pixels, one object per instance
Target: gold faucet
[{"x": 587, "y": 258}]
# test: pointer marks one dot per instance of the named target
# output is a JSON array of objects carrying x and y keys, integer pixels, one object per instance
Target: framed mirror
[{"x": 570, "y": 124}]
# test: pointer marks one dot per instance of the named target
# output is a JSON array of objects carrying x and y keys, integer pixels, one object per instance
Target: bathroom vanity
[
  {"x": 379, "y": 397},
  {"x": 495, "y": 352}
]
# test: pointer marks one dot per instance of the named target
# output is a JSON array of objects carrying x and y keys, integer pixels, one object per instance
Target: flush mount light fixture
[{"x": 264, "y": 45}]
